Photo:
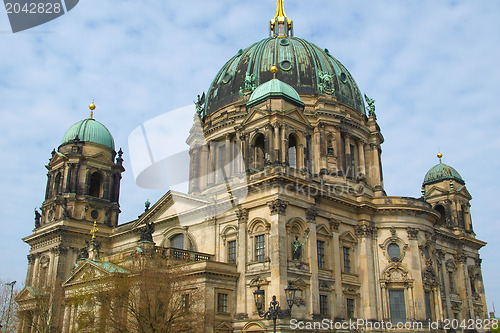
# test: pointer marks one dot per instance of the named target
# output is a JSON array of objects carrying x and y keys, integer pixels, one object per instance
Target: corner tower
[{"x": 83, "y": 185}]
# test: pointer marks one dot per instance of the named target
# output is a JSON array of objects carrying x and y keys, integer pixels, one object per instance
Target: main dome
[
  {"x": 309, "y": 69},
  {"x": 89, "y": 130}
]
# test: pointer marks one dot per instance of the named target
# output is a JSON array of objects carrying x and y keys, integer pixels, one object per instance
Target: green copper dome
[
  {"x": 309, "y": 69},
  {"x": 442, "y": 172},
  {"x": 89, "y": 130},
  {"x": 274, "y": 88}
]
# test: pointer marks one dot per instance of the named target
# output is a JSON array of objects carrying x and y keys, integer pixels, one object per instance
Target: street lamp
[
  {"x": 11, "y": 284},
  {"x": 274, "y": 311}
]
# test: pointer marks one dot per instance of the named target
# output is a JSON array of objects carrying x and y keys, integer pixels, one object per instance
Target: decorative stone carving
[
  {"x": 277, "y": 206},
  {"x": 393, "y": 232},
  {"x": 460, "y": 257},
  {"x": 31, "y": 258},
  {"x": 242, "y": 214},
  {"x": 334, "y": 225},
  {"x": 478, "y": 262},
  {"x": 58, "y": 250},
  {"x": 412, "y": 233},
  {"x": 365, "y": 231},
  {"x": 311, "y": 213}
]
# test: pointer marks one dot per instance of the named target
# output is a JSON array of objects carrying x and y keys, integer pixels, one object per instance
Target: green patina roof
[
  {"x": 110, "y": 267},
  {"x": 274, "y": 88},
  {"x": 89, "y": 130},
  {"x": 442, "y": 172},
  {"x": 302, "y": 64}
]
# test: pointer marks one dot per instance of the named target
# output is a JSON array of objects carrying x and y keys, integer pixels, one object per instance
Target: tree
[
  {"x": 147, "y": 295},
  {"x": 5, "y": 299},
  {"x": 40, "y": 308}
]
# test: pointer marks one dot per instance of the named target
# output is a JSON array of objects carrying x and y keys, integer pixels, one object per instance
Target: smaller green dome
[
  {"x": 89, "y": 130},
  {"x": 442, "y": 172},
  {"x": 274, "y": 88}
]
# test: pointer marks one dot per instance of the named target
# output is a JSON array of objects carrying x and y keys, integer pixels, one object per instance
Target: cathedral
[{"x": 285, "y": 193}]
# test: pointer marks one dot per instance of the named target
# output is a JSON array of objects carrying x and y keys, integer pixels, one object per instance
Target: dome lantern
[{"x": 281, "y": 26}]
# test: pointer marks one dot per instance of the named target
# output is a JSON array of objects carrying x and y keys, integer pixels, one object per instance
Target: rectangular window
[
  {"x": 323, "y": 305},
  {"x": 221, "y": 302},
  {"x": 321, "y": 254},
  {"x": 347, "y": 260},
  {"x": 428, "y": 306},
  {"x": 231, "y": 252},
  {"x": 350, "y": 308},
  {"x": 260, "y": 247},
  {"x": 397, "y": 306},
  {"x": 452, "y": 282}
]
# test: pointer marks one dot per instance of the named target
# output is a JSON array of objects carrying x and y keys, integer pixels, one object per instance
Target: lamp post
[
  {"x": 274, "y": 311},
  {"x": 11, "y": 284}
]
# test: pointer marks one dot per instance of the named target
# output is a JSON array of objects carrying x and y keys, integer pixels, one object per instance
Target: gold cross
[{"x": 94, "y": 230}]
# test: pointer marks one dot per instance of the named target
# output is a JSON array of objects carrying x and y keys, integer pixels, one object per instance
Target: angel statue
[
  {"x": 371, "y": 106},
  {"x": 200, "y": 105}
]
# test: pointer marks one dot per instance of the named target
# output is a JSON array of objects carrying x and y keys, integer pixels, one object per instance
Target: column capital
[{"x": 277, "y": 206}]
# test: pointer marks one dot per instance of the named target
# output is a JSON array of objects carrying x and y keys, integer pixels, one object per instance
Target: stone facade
[{"x": 262, "y": 177}]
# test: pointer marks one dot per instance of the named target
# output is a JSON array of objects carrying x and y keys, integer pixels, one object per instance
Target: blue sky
[{"x": 431, "y": 66}]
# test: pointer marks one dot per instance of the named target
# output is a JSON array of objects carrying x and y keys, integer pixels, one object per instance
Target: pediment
[
  {"x": 224, "y": 327},
  {"x": 101, "y": 157},
  {"x": 171, "y": 205},
  {"x": 26, "y": 295},
  {"x": 348, "y": 237},
  {"x": 298, "y": 116},
  {"x": 322, "y": 229},
  {"x": 254, "y": 115},
  {"x": 463, "y": 191},
  {"x": 87, "y": 271},
  {"x": 435, "y": 191}
]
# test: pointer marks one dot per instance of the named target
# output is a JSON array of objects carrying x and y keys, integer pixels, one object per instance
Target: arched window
[
  {"x": 442, "y": 217},
  {"x": 57, "y": 184},
  {"x": 259, "y": 152},
  {"x": 95, "y": 184},
  {"x": 292, "y": 151},
  {"x": 177, "y": 241}
]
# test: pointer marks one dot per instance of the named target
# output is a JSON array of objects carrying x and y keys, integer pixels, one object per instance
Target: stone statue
[
  {"x": 38, "y": 218},
  {"x": 326, "y": 84},
  {"x": 249, "y": 85},
  {"x": 147, "y": 232},
  {"x": 297, "y": 247},
  {"x": 200, "y": 106},
  {"x": 371, "y": 106},
  {"x": 84, "y": 251}
]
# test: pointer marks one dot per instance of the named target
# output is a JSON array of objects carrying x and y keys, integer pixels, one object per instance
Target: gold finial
[
  {"x": 94, "y": 230},
  {"x": 274, "y": 70},
  {"x": 280, "y": 24},
  {"x": 92, "y": 108},
  {"x": 439, "y": 155}
]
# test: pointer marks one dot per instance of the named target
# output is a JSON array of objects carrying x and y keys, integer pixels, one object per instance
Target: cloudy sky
[{"x": 431, "y": 66}]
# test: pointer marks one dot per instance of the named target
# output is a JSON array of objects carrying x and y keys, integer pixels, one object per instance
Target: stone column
[
  {"x": 368, "y": 307},
  {"x": 322, "y": 146},
  {"x": 339, "y": 153},
  {"x": 415, "y": 266},
  {"x": 361, "y": 152},
  {"x": 375, "y": 169},
  {"x": 66, "y": 318},
  {"x": 284, "y": 145},
  {"x": 242, "y": 214},
  {"x": 316, "y": 150},
  {"x": 337, "y": 264},
  {"x": 312, "y": 246},
  {"x": 277, "y": 249},
  {"x": 348, "y": 165},
  {"x": 205, "y": 167}
]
